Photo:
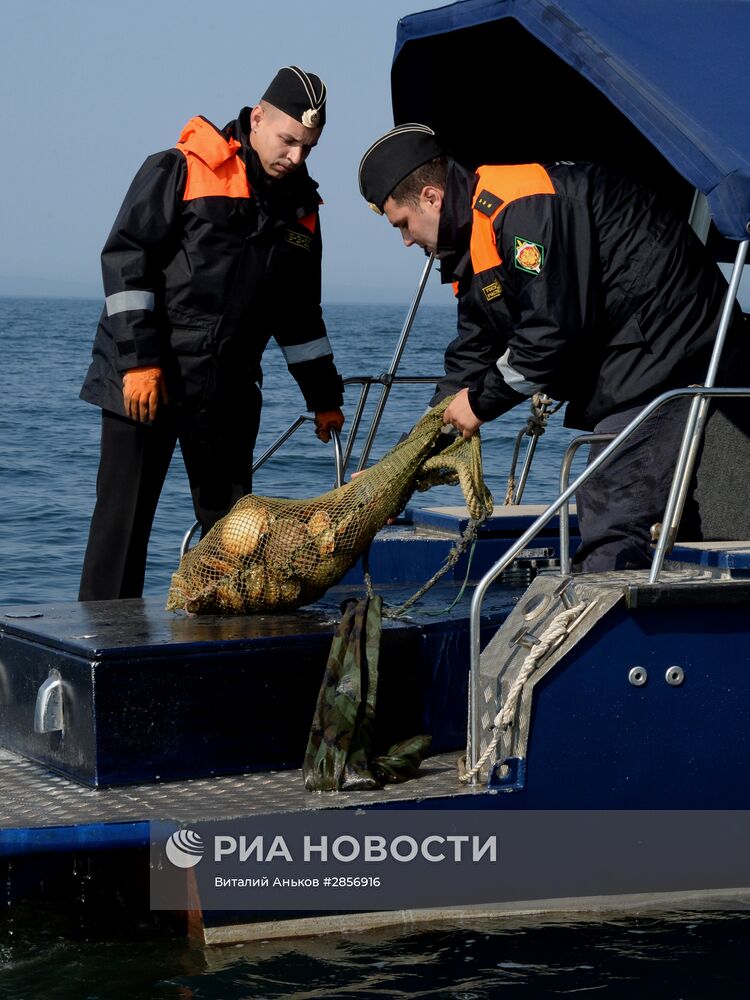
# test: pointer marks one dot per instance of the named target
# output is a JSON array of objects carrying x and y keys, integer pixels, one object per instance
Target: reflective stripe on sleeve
[
  {"x": 515, "y": 379},
  {"x": 295, "y": 353},
  {"x": 126, "y": 301}
]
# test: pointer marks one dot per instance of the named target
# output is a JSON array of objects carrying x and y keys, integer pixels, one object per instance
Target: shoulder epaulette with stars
[{"x": 487, "y": 203}]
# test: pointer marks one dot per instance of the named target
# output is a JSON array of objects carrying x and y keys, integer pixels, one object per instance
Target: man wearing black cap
[
  {"x": 216, "y": 248},
  {"x": 573, "y": 281}
]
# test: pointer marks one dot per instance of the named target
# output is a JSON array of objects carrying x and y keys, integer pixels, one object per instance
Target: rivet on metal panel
[
  {"x": 638, "y": 676},
  {"x": 675, "y": 676}
]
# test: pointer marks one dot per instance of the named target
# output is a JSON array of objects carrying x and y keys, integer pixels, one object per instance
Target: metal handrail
[
  {"x": 342, "y": 460},
  {"x": 338, "y": 457},
  {"x": 294, "y": 426},
  {"x": 188, "y": 537},
  {"x": 540, "y": 522},
  {"x": 386, "y": 379},
  {"x": 567, "y": 461},
  {"x": 526, "y": 468},
  {"x": 366, "y": 381},
  {"x": 395, "y": 362},
  {"x": 530, "y": 450},
  {"x": 693, "y": 433},
  {"x": 341, "y": 456}
]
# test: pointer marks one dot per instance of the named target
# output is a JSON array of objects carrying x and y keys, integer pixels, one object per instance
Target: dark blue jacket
[
  {"x": 574, "y": 281},
  {"x": 206, "y": 261}
]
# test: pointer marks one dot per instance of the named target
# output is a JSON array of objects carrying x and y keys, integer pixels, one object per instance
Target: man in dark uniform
[
  {"x": 216, "y": 248},
  {"x": 573, "y": 281}
]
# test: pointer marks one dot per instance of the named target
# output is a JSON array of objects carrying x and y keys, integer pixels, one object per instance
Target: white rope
[{"x": 552, "y": 636}]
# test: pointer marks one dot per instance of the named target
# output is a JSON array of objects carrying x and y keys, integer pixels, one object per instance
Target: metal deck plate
[
  {"x": 31, "y": 797},
  {"x": 678, "y": 585}
]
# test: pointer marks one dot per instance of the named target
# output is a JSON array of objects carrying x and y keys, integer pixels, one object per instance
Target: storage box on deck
[{"x": 148, "y": 695}]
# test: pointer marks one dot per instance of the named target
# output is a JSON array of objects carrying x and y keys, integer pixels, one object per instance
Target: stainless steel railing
[
  {"x": 386, "y": 380},
  {"x": 342, "y": 455},
  {"x": 388, "y": 377},
  {"x": 696, "y": 421},
  {"x": 697, "y": 392},
  {"x": 567, "y": 462}
]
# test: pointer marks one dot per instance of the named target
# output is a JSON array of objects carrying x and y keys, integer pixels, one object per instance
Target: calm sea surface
[
  {"x": 48, "y": 463},
  {"x": 50, "y": 437}
]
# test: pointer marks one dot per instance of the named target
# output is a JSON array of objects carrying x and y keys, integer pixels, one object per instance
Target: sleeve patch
[
  {"x": 528, "y": 256},
  {"x": 487, "y": 203},
  {"x": 298, "y": 239},
  {"x": 492, "y": 291}
]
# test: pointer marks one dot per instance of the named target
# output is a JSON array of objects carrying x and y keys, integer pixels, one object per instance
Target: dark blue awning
[{"x": 661, "y": 87}]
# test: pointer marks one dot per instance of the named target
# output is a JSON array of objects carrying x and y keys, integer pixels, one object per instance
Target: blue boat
[{"x": 608, "y": 732}]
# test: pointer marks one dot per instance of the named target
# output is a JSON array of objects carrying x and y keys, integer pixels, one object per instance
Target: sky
[{"x": 90, "y": 88}]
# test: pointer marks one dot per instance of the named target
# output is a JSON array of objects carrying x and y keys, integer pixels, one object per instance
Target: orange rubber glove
[
  {"x": 143, "y": 389},
  {"x": 327, "y": 421}
]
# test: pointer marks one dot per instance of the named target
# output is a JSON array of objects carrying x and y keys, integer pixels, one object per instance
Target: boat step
[
  {"x": 729, "y": 557},
  {"x": 45, "y": 812},
  {"x": 508, "y": 521}
]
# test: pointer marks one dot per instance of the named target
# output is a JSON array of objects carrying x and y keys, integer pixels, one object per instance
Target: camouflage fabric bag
[{"x": 339, "y": 749}]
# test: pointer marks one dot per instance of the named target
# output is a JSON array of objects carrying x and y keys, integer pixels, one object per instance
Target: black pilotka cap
[
  {"x": 393, "y": 157},
  {"x": 298, "y": 94}
]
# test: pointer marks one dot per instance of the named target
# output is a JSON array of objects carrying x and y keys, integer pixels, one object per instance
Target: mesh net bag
[{"x": 274, "y": 554}]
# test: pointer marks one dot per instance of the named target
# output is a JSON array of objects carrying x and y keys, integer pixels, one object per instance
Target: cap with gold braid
[
  {"x": 393, "y": 157},
  {"x": 298, "y": 94}
]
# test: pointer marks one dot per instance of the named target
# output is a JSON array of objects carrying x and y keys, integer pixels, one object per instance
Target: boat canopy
[{"x": 660, "y": 89}]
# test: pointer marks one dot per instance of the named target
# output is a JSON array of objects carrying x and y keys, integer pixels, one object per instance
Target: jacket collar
[
  {"x": 454, "y": 232},
  {"x": 293, "y": 196},
  {"x": 205, "y": 141}
]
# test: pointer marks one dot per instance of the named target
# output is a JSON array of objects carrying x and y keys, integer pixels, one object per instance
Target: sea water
[
  {"x": 48, "y": 462},
  {"x": 50, "y": 438}
]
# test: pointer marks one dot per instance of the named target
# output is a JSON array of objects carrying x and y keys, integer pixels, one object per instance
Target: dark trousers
[
  {"x": 620, "y": 503},
  {"x": 628, "y": 495},
  {"x": 132, "y": 469}
]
